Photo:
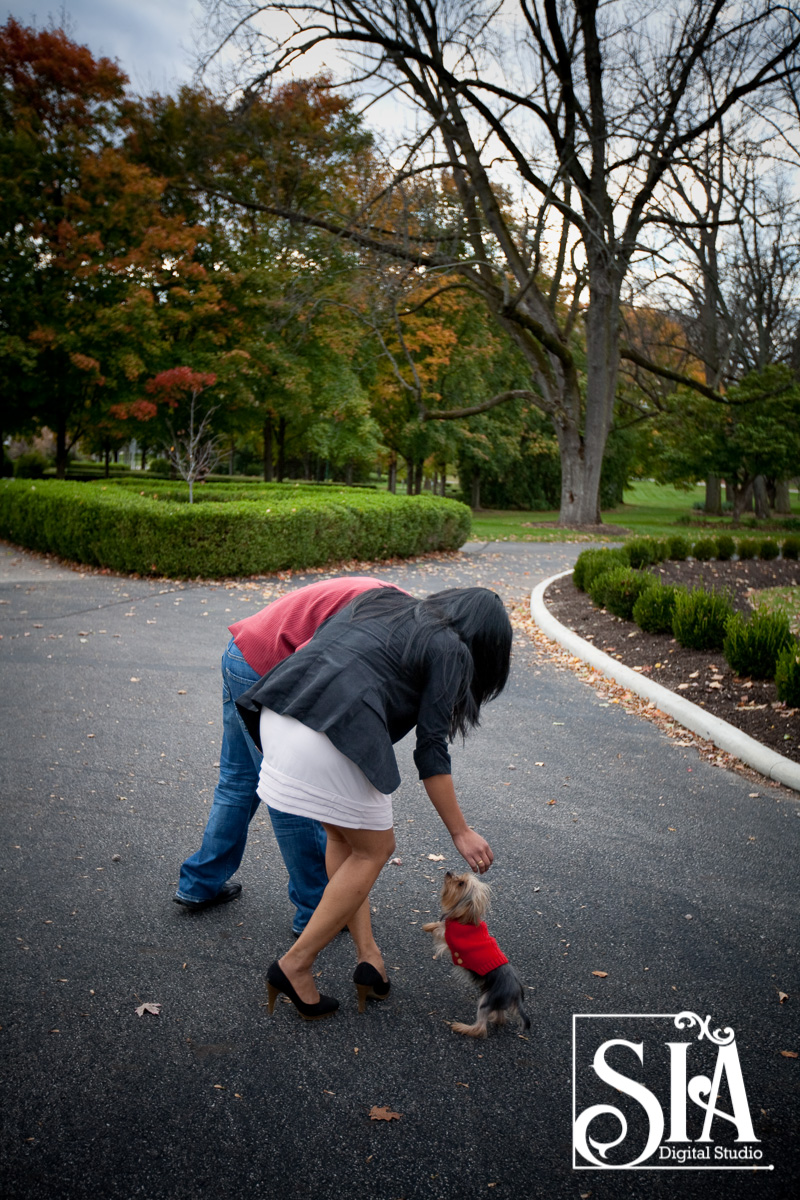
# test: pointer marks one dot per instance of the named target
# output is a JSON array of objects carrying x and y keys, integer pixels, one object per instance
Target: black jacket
[{"x": 351, "y": 683}]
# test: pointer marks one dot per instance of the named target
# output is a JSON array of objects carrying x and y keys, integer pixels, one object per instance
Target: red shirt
[
  {"x": 269, "y": 636},
  {"x": 471, "y": 946}
]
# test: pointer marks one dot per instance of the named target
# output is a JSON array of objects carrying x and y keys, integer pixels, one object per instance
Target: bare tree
[{"x": 558, "y": 123}]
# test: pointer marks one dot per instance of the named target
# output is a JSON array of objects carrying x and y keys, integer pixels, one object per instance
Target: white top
[{"x": 303, "y": 773}]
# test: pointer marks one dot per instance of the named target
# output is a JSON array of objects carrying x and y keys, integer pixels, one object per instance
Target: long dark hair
[{"x": 477, "y": 658}]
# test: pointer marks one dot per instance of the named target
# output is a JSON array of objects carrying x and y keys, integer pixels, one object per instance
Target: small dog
[{"x": 461, "y": 929}]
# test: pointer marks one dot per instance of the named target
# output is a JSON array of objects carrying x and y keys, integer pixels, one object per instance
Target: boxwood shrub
[
  {"x": 115, "y": 527},
  {"x": 704, "y": 549},
  {"x": 642, "y": 552},
  {"x": 790, "y": 548},
  {"x": 747, "y": 547},
  {"x": 596, "y": 561},
  {"x": 752, "y": 646},
  {"x": 726, "y": 547},
  {"x": 619, "y": 589},
  {"x": 700, "y": 618},
  {"x": 653, "y": 610},
  {"x": 787, "y": 675},
  {"x": 769, "y": 548},
  {"x": 678, "y": 547}
]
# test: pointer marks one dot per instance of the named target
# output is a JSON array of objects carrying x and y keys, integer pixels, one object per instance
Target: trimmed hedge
[{"x": 109, "y": 526}]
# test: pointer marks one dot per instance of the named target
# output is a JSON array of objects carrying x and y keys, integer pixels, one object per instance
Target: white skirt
[{"x": 303, "y": 773}]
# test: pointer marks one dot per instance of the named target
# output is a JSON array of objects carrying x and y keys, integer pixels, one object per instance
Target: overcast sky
[{"x": 151, "y": 39}]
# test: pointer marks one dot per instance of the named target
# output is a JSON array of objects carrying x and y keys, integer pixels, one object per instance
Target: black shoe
[
  {"x": 369, "y": 982},
  {"x": 228, "y": 891},
  {"x": 277, "y": 982}
]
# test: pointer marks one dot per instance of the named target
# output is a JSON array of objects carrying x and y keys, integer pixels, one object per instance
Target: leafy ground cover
[{"x": 703, "y": 677}]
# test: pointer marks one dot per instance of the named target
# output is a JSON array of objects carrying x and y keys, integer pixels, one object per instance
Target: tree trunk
[
  {"x": 281, "y": 448},
  {"x": 783, "y": 501},
  {"x": 444, "y": 477},
  {"x": 713, "y": 505},
  {"x": 475, "y": 491},
  {"x": 107, "y": 457},
  {"x": 392, "y": 481},
  {"x": 61, "y": 448},
  {"x": 761, "y": 497},
  {"x": 307, "y": 466},
  {"x": 348, "y": 474},
  {"x": 742, "y": 497},
  {"x": 418, "y": 477},
  {"x": 582, "y": 453},
  {"x": 581, "y": 465},
  {"x": 145, "y": 448},
  {"x": 231, "y": 454},
  {"x": 268, "y": 448},
  {"x": 409, "y": 476}
]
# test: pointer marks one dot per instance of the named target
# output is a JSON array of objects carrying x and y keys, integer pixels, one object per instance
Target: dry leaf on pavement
[
  {"x": 155, "y": 1009},
  {"x": 383, "y": 1114},
  {"x": 436, "y": 857},
  {"x": 789, "y": 1053},
  {"x": 601, "y": 974},
  {"x": 783, "y": 996}
]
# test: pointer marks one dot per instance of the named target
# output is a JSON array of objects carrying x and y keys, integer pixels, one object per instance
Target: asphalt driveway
[{"x": 631, "y": 877}]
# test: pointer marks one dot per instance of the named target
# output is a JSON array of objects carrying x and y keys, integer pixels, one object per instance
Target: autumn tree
[
  {"x": 87, "y": 256},
  {"x": 304, "y": 146},
  {"x": 579, "y": 110}
]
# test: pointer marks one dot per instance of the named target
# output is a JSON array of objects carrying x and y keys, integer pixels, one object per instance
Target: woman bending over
[{"x": 327, "y": 719}]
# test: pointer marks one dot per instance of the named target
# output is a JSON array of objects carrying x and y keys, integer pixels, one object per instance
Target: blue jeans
[{"x": 300, "y": 841}]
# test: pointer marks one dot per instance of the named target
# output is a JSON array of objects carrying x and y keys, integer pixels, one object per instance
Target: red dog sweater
[{"x": 471, "y": 946}]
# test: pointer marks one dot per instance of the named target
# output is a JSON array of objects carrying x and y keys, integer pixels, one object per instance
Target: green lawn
[{"x": 648, "y": 509}]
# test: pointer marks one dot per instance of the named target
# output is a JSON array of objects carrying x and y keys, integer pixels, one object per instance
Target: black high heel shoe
[
  {"x": 277, "y": 982},
  {"x": 369, "y": 982}
]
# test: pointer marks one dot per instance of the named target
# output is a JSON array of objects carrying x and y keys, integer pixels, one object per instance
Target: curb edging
[{"x": 713, "y": 729}]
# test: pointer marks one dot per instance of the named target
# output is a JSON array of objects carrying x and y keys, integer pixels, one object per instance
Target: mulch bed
[{"x": 703, "y": 677}]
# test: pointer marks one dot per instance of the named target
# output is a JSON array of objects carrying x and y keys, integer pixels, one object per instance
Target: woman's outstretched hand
[{"x": 475, "y": 850}]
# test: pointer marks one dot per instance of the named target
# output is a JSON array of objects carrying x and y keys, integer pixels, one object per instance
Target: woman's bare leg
[
  {"x": 360, "y": 924},
  {"x": 357, "y": 857}
]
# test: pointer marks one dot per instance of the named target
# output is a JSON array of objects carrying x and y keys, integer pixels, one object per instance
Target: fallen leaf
[
  {"x": 538, "y": 764},
  {"x": 782, "y": 996},
  {"x": 436, "y": 857},
  {"x": 135, "y": 679},
  {"x": 785, "y": 1053},
  {"x": 182, "y": 693},
  {"x": 155, "y": 1009},
  {"x": 551, "y": 802},
  {"x": 601, "y": 974},
  {"x": 383, "y": 1114}
]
